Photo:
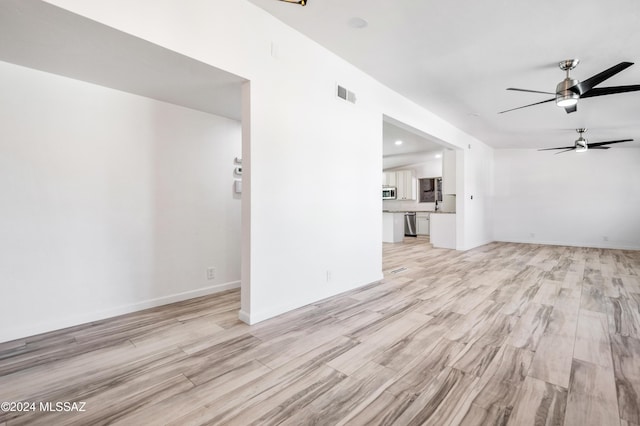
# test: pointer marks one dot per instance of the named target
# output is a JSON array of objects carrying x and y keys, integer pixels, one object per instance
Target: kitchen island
[{"x": 443, "y": 230}]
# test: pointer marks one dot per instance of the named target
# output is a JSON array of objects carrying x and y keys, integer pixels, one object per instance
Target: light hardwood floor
[{"x": 506, "y": 333}]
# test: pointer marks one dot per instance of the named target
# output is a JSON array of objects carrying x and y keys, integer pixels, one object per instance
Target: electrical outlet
[
  {"x": 532, "y": 235},
  {"x": 605, "y": 238},
  {"x": 211, "y": 273},
  {"x": 328, "y": 276}
]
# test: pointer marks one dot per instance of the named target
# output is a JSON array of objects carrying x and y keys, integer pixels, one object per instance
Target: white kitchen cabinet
[
  {"x": 422, "y": 223},
  {"x": 392, "y": 227},
  {"x": 449, "y": 172},
  {"x": 405, "y": 184},
  {"x": 389, "y": 179}
]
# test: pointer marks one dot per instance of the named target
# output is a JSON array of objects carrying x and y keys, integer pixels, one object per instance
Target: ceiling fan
[
  {"x": 581, "y": 144},
  {"x": 300, "y": 2},
  {"x": 569, "y": 90}
]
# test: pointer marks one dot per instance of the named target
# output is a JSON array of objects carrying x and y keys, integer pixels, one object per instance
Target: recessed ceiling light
[
  {"x": 438, "y": 155},
  {"x": 398, "y": 142},
  {"x": 357, "y": 23}
]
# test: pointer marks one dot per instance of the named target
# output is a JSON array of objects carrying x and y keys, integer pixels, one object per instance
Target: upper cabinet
[
  {"x": 404, "y": 182},
  {"x": 389, "y": 179},
  {"x": 406, "y": 185},
  {"x": 449, "y": 172}
]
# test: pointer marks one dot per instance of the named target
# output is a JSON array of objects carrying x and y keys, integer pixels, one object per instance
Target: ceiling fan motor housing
[
  {"x": 564, "y": 95},
  {"x": 581, "y": 145}
]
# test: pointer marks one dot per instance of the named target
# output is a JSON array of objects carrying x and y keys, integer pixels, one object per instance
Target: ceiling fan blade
[
  {"x": 562, "y": 147},
  {"x": 537, "y": 103},
  {"x": 531, "y": 91},
  {"x": 588, "y": 84},
  {"x": 572, "y": 108},
  {"x": 566, "y": 150},
  {"x": 601, "y": 91},
  {"x": 597, "y": 144}
]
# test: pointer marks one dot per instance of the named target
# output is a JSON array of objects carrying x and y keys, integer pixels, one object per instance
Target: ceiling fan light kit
[
  {"x": 566, "y": 98},
  {"x": 581, "y": 144},
  {"x": 564, "y": 95}
]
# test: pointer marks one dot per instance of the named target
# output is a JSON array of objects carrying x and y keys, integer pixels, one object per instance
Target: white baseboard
[
  {"x": 477, "y": 245},
  {"x": 610, "y": 245},
  {"x": 83, "y": 318},
  {"x": 244, "y": 317},
  {"x": 256, "y": 317}
]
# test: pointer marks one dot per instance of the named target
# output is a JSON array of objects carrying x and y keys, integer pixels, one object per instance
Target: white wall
[
  {"x": 303, "y": 143},
  {"x": 110, "y": 202},
  {"x": 568, "y": 199},
  {"x": 474, "y": 195}
]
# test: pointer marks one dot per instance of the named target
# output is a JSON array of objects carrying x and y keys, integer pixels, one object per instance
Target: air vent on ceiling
[{"x": 345, "y": 94}]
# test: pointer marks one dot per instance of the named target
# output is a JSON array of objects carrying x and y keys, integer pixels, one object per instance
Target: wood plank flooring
[{"x": 505, "y": 334}]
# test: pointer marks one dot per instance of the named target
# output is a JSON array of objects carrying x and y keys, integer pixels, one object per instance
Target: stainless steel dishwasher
[{"x": 410, "y": 224}]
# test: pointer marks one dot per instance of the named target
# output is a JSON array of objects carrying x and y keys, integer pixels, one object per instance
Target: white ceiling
[
  {"x": 415, "y": 148},
  {"x": 41, "y": 36},
  {"x": 457, "y": 59},
  {"x": 411, "y": 142}
]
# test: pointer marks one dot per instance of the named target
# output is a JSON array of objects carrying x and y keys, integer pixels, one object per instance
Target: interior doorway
[{"x": 414, "y": 164}]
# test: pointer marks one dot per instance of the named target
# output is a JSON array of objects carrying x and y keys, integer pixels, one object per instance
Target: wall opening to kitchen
[{"x": 418, "y": 182}]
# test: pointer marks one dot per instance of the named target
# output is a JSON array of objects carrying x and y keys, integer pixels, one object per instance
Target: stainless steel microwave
[{"x": 388, "y": 192}]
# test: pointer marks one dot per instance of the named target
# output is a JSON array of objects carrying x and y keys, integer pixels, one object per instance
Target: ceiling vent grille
[{"x": 345, "y": 94}]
